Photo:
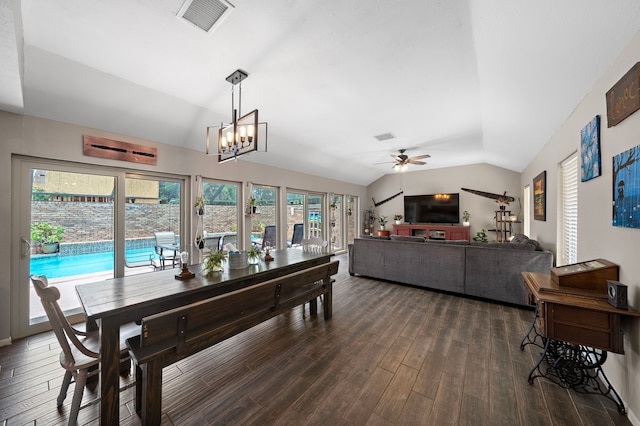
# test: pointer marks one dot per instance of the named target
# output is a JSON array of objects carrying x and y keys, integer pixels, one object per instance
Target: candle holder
[
  {"x": 267, "y": 256},
  {"x": 184, "y": 263}
]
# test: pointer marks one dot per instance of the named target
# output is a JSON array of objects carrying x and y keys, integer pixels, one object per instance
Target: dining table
[{"x": 111, "y": 303}]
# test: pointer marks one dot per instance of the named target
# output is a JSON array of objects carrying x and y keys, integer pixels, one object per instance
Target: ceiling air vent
[
  {"x": 384, "y": 137},
  {"x": 205, "y": 14}
]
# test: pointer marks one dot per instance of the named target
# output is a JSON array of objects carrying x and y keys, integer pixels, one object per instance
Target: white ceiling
[{"x": 467, "y": 81}]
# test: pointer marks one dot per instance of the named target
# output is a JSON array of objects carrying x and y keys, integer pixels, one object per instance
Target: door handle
[{"x": 27, "y": 245}]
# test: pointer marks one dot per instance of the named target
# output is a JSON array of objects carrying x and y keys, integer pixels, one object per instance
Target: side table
[{"x": 575, "y": 332}]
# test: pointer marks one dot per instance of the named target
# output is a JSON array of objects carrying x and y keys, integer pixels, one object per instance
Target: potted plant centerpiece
[
  {"x": 465, "y": 218},
  {"x": 382, "y": 220},
  {"x": 47, "y": 235},
  {"x": 398, "y": 218},
  {"x": 253, "y": 255},
  {"x": 214, "y": 261},
  {"x": 199, "y": 206}
]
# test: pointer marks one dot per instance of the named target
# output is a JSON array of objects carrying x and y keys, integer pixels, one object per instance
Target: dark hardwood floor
[{"x": 391, "y": 354}]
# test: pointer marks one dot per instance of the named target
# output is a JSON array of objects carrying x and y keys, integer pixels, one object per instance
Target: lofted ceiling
[{"x": 466, "y": 81}]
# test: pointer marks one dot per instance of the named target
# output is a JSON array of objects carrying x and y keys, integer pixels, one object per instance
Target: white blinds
[{"x": 569, "y": 210}]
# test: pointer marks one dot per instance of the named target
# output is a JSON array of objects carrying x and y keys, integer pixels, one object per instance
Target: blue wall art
[
  {"x": 626, "y": 188},
  {"x": 590, "y": 149}
]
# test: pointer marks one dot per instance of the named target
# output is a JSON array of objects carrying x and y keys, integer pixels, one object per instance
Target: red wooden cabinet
[{"x": 434, "y": 232}]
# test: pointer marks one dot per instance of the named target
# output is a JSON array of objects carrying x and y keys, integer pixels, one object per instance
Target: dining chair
[
  {"x": 298, "y": 233},
  {"x": 80, "y": 349},
  {"x": 269, "y": 237}
]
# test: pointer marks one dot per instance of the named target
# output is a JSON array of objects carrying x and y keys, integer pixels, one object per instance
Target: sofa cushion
[
  {"x": 407, "y": 238},
  {"x": 523, "y": 239}
]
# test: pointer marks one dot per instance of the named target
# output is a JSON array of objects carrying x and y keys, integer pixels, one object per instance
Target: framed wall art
[
  {"x": 540, "y": 196},
  {"x": 590, "y": 149},
  {"x": 626, "y": 188}
]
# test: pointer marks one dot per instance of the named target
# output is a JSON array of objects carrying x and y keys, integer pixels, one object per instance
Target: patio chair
[
  {"x": 298, "y": 233},
  {"x": 228, "y": 238},
  {"x": 166, "y": 247},
  {"x": 269, "y": 237},
  {"x": 80, "y": 350},
  {"x": 211, "y": 243}
]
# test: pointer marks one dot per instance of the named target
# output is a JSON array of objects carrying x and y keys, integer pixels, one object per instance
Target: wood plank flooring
[{"x": 391, "y": 355}]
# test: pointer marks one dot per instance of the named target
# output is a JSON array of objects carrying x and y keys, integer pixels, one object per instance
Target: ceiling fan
[{"x": 402, "y": 160}]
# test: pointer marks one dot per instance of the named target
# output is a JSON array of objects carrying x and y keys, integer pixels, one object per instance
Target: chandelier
[{"x": 241, "y": 135}]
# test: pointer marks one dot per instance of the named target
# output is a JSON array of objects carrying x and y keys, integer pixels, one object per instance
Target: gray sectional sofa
[{"x": 485, "y": 270}]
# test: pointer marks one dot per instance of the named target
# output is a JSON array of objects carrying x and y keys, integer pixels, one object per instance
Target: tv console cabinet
[{"x": 433, "y": 231}]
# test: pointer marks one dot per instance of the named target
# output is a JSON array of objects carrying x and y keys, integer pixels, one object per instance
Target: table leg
[
  {"x": 109, "y": 369},
  {"x": 576, "y": 367},
  {"x": 527, "y": 340},
  {"x": 328, "y": 298}
]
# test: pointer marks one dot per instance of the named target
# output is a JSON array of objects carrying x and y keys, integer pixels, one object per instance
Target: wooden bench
[{"x": 170, "y": 336}]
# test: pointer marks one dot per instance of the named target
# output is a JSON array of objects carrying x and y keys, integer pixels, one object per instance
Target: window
[
  {"x": 568, "y": 250},
  {"x": 526, "y": 196},
  {"x": 263, "y": 222},
  {"x": 219, "y": 223}
]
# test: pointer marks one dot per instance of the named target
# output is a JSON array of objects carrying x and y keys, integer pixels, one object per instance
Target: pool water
[{"x": 65, "y": 266}]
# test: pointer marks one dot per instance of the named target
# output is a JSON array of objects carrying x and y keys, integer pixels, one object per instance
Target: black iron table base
[{"x": 570, "y": 366}]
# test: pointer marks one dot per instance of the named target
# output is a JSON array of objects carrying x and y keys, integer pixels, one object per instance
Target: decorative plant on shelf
[
  {"x": 200, "y": 241},
  {"x": 465, "y": 218},
  {"x": 254, "y": 254},
  {"x": 383, "y": 222},
  {"x": 397, "y": 218},
  {"x": 47, "y": 235},
  {"x": 334, "y": 204},
  {"x": 214, "y": 260},
  {"x": 199, "y": 206},
  {"x": 481, "y": 237},
  {"x": 253, "y": 205}
]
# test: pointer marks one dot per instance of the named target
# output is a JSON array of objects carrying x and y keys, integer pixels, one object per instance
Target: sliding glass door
[{"x": 76, "y": 224}]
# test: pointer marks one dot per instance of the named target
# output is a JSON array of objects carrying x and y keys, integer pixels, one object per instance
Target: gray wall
[{"x": 597, "y": 238}]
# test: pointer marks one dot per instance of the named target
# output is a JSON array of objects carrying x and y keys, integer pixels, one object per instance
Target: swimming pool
[{"x": 65, "y": 266}]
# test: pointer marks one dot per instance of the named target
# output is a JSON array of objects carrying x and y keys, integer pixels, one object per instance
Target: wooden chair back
[{"x": 64, "y": 332}]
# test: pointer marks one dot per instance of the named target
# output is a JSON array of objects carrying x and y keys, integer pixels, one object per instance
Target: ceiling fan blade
[
  {"x": 418, "y": 163},
  {"x": 420, "y": 157}
]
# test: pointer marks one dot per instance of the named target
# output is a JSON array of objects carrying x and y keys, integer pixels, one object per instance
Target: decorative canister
[{"x": 238, "y": 260}]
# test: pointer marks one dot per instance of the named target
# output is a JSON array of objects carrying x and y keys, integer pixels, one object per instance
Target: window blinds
[{"x": 569, "y": 210}]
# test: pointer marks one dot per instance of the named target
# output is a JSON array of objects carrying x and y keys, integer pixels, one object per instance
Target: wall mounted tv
[{"x": 434, "y": 208}]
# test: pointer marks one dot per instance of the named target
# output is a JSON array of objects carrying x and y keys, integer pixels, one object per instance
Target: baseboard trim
[{"x": 5, "y": 342}]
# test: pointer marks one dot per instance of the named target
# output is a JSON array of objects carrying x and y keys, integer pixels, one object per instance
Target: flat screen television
[{"x": 434, "y": 208}]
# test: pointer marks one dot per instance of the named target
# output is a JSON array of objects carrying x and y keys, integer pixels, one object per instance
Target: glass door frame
[{"x": 21, "y": 185}]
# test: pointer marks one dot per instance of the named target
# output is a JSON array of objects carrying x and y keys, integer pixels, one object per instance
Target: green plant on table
[
  {"x": 466, "y": 216},
  {"x": 214, "y": 260},
  {"x": 397, "y": 217},
  {"x": 254, "y": 253}
]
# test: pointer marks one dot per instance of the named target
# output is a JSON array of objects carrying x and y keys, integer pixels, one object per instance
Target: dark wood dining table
[{"x": 111, "y": 303}]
